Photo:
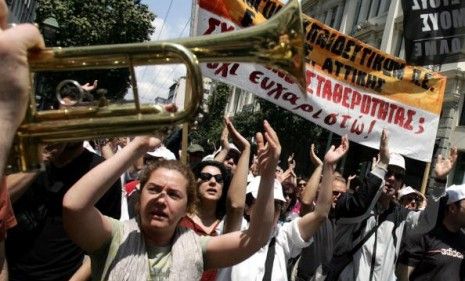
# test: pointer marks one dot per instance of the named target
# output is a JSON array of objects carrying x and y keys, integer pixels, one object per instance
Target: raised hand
[
  {"x": 313, "y": 157},
  {"x": 148, "y": 143},
  {"x": 88, "y": 87},
  {"x": 237, "y": 138},
  {"x": 291, "y": 162},
  {"x": 269, "y": 150},
  {"x": 170, "y": 107},
  {"x": 444, "y": 165},
  {"x": 335, "y": 154},
  {"x": 351, "y": 177},
  {"x": 224, "y": 139},
  {"x": 383, "y": 157}
]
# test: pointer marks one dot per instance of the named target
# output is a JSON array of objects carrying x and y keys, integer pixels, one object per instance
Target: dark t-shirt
[
  {"x": 438, "y": 255},
  {"x": 319, "y": 252},
  {"x": 38, "y": 247}
]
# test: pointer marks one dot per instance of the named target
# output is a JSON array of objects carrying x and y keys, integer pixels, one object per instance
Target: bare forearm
[
  {"x": 236, "y": 193},
  {"x": 18, "y": 183},
  {"x": 310, "y": 222},
  {"x": 311, "y": 188},
  {"x": 325, "y": 196},
  {"x": 261, "y": 219}
]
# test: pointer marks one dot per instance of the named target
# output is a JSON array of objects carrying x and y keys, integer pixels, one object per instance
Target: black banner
[{"x": 434, "y": 31}]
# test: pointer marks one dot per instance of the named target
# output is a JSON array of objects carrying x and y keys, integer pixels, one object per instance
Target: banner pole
[
  {"x": 185, "y": 132},
  {"x": 424, "y": 182}
]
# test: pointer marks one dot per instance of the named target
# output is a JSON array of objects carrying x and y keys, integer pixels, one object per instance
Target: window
[
  {"x": 399, "y": 50},
  {"x": 333, "y": 16},
  {"x": 462, "y": 115},
  {"x": 374, "y": 10},
  {"x": 358, "y": 15},
  {"x": 384, "y": 6},
  {"x": 368, "y": 9},
  {"x": 459, "y": 171}
]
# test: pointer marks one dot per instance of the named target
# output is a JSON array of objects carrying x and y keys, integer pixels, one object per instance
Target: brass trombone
[{"x": 279, "y": 43}]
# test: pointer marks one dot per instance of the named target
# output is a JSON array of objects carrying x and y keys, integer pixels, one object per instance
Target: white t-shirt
[{"x": 289, "y": 243}]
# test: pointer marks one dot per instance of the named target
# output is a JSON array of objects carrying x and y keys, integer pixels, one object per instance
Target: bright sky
[{"x": 172, "y": 21}]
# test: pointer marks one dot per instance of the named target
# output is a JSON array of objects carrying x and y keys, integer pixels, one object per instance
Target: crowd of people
[{"x": 128, "y": 210}]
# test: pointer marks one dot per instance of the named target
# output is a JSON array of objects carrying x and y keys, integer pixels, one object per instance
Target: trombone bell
[{"x": 279, "y": 43}]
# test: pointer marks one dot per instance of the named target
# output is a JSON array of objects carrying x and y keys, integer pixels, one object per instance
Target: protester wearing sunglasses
[
  {"x": 212, "y": 189},
  {"x": 217, "y": 210},
  {"x": 394, "y": 178}
]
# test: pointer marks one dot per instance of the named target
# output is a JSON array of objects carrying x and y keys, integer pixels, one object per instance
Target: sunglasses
[
  {"x": 397, "y": 175},
  {"x": 302, "y": 183},
  {"x": 208, "y": 176}
]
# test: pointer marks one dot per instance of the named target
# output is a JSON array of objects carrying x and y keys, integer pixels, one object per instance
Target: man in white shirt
[{"x": 270, "y": 262}]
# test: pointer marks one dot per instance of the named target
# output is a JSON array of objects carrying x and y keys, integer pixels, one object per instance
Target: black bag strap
[
  {"x": 364, "y": 239},
  {"x": 269, "y": 260}
]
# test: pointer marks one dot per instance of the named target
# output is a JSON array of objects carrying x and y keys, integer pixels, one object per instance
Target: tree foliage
[
  {"x": 295, "y": 133},
  {"x": 208, "y": 131},
  {"x": 84, "y": 23}
]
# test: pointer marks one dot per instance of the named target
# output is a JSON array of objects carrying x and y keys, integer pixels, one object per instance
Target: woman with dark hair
[
  {"x": 214, "y": 201},
  {"x": 290, "y": 194},
  {"x": 212, "y": 180},
  {"x": 153, "y": 246}
]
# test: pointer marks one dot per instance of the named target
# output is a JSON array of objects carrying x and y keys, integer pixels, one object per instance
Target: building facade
[
  {"x": 21, "y": 10},
  {"x": 240, "y": 100},
  {"x": 380, "y": 24}
]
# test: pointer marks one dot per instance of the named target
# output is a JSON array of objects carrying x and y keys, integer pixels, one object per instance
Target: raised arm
[
  {"x": 359, "y": 203},
  {"x": 85, "y": 225},
  {"x": 221, "y": 156},
  {"x": 424, "y": 221},
  {"x": 14, "y": 88},
  {"x": 236, "y": 194},
  {"x": 309, "y": 223},
  {"x": 289, "y": 174},
  {"x": 14, "y": 77},
  {"x": 311, "y": 188},
  {"x": 232, "y": 248}
]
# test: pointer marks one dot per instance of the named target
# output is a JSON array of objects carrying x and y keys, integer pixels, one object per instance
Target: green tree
[
  {"x": 84, "y": 23},
  {"x": 208, "y": 129},
  {"x": 296, "y": 134}
]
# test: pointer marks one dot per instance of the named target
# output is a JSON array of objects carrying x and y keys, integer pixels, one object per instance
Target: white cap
[
  {"x": 252, "y": 187},
  {"x": 455, "y": 193},
  {"x": 231, "y": 147},
  {"x": 209, "y": 157},
  {"x": 396, "y": 159},
  {"x": 162, "y": 152},
  {"x": 406, "y": 190}
]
